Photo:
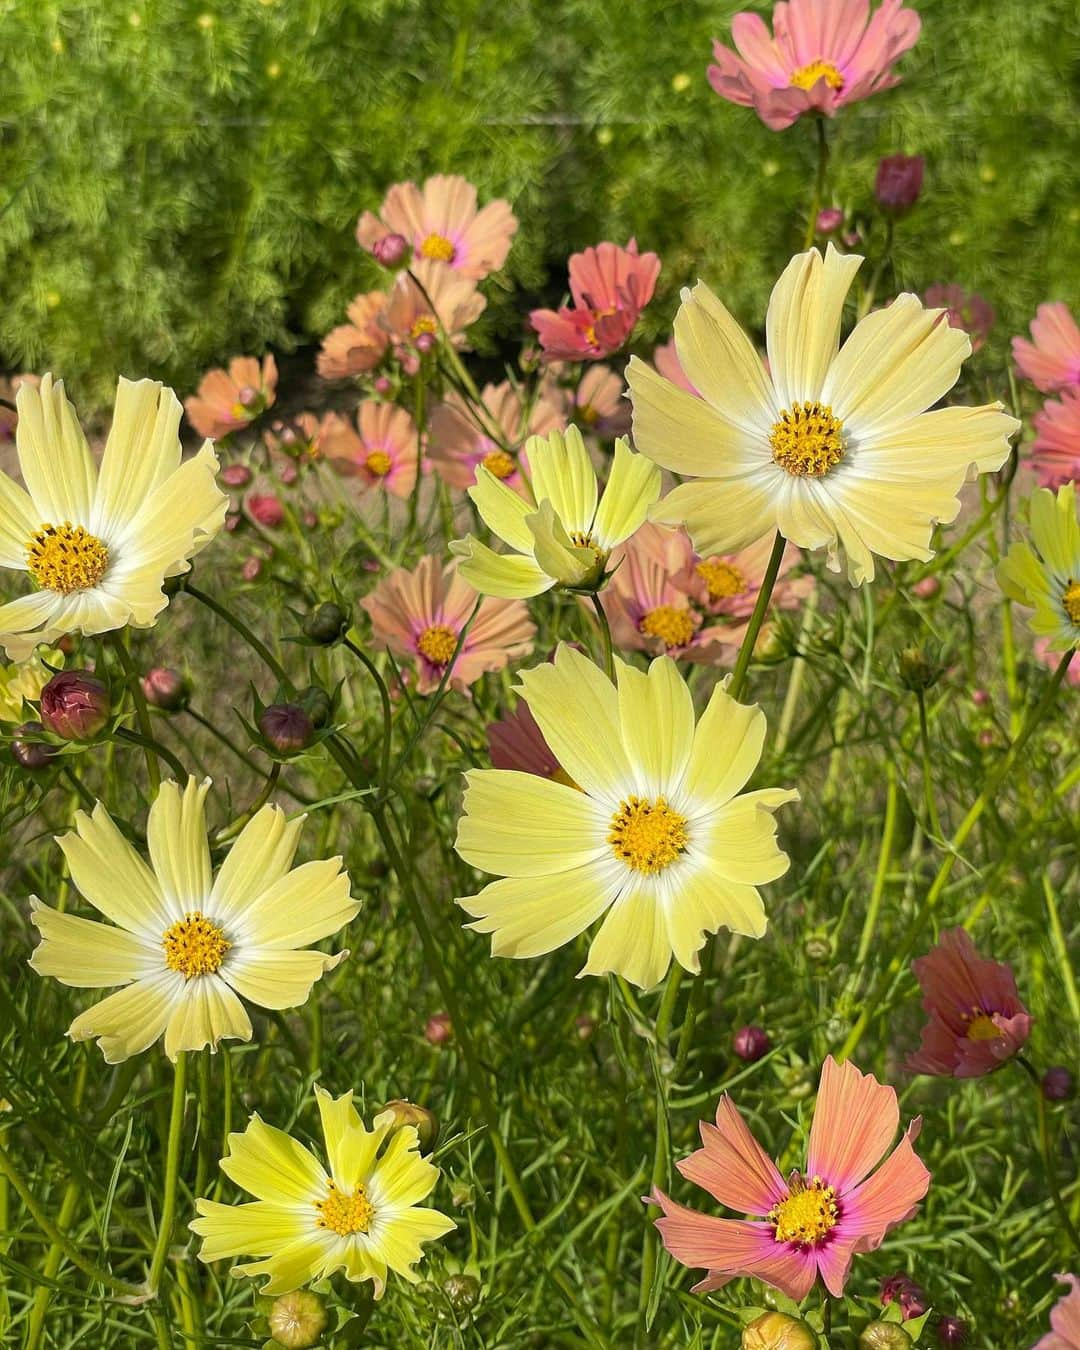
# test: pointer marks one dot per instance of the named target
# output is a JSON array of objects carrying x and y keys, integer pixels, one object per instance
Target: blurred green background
[{"x": 181, "y": 179}]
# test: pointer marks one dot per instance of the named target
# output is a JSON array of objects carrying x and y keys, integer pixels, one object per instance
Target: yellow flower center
[
  {"x": 808, "y": 440},
  {"x": 674, "y": 627},
  {"x": 439, "y": 247},
  {"x": 588, "y": 413},
  {"x": 194, "y": 945},
  {"x": 721, "y": 579},
  {"x": 982, "y": 1027},
  {"x": 424, "y": 324},
  {"x": 807, "y": 1214},
  {"x": 499, "y": 463},
  {"x": 66, "y": 558},
  {"x": 807, "y": 76},
  {"x": 582, "y": 538},
  {"x": 1071, "y": 601},
  {"x": 379, "y": 463},
  {"x": 345, "y": 1214},
  {"x": 438, "y": 643},
  {"x": 647, "y": 836}
]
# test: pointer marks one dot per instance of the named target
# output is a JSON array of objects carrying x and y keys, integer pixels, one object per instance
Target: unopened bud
[
  {"x": 916, "y": 670},
  {"x": 980, "y": 697},
  {"x": 898, "y": 183},
  {"x": 423, "y": 1121},
  {"x": 777, "y": 1331},
  {"x": 927, "y": 589},
  {"x": 439, "y": 1028},
  {"x": 586, "y": 1025},
  {"x": 462, "y": 1195},
  {"x": 248, "y": 396},
  {"x": 165, "y": 688},
  {"x": 251, "y": 569},
  {"x": 326, "y": 624},
  {"x": 986, "y": 738},
  {"x": 317, "y": 704},
  {"x": 382, "y": 384},
  {"x": 75, "y": 705},
  {"x": 32, "y": 755},
  {"x": 1057, "y": 1084},
  {"x": 462, "y": 1292},
  {"x": 267, "y": 509},
  {"x": 829, "y": 220},
  {"x": 751, "y": 1043},
  {"x": 903, "y": 1290},
  {"x": 951, "y": 1331},
  {"x": 298, "y": 1320},
  {"x": 425, "y": 342},
  {"x": 235, "y": 475},
  {"x": 390, "y": 249},
  {"x": 884, "y": 1336},
  {"x": 286, "y": 727}
]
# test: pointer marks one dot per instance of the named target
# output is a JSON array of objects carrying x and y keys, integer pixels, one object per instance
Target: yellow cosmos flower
[
  {"x": 1047, "y": 577},
  {"x": 98, "y": 544},
  {"x": 187, "y": 945},
  {"x": 658, "y": 839},
  {"x": 24, "y": 680},
  {"x": 832, "y": 446},
  {"x": 363, "y": 1217},
  {"x": 561, "y": 536}
]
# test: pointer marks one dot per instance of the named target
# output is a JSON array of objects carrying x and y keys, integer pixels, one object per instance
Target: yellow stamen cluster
[
  {"x": 424, "y": 324},
  {"x": 438, "y": 643},
  {"x": 582, "y": 538},
  {"x": 982, "y": 1027},
  {"x": 379, "y": 463},
  {"x": 194, "y": 945},
  {"x": 674, "y": 627},
  {"x": 66, "y": 558},
  {"x": 808, "y": 440},
  {"x": 721, "y": 579},
  {"x": 499, "y": 463},
  {"x": 807, "y": 76},
  {"x": 345, "y": 1214},
  {"x": 647, "y": 836},
  {"x": 439, "y": 247},
  {"x": 807, "y": 1214},
  {"x": 1071, "y": 601}
]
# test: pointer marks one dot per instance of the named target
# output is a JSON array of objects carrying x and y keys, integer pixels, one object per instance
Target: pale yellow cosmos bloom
[
  {"x": 98, "y": 543},
  {"x": 363, "y": 1216},
  {"x": 660, "y": 841},
  {"x": 1047, "y": 577},
  {"x": 565, "y": 533},
  {"x": 832, "y": 445},
  {"x": 187, "y": 945},
  {"x": 22, "y": 682}
]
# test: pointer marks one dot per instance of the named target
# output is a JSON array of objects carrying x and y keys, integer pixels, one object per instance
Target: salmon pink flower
[
  {"x": 1055, "y": 452},
  {"x": 1064, "y": 1319},
  {"x": 381, "y": 451},
  {"x": 972, "y": 314},
  {"x": 1051, "y": 361},
  {"x": 726, "y": 585},
  {"x": 441, "y": 223},
  {"x": 808, "y": 1225},
  {"x": 666, "y": 360},
  {"x": 229, "y": 399},
  {"x": 646, "y": 606},
  {"x": 460, "y": 439},
  {"x": 357, "y": 346},
  {"x": 595, "y": 401},
  {"x": 976, "y": 1018},
  {"x": 425, "y": 299},
  {"x": 823, "y": 54},
  {"x": 1051, "y": 660},
  {"x": 610, "y": 286},
  {"x": 421, "y": 615},
  {"x": 516, "y": 742}
]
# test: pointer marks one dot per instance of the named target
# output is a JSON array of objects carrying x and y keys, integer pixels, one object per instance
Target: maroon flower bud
[
  {"x": 233, "y": 521},
  {"x": 439, "y": 1028},
  {"x": 951, "y": 1331},
  {"x": 287, "y": 728},
  {"x": 425, "y": 342},
  {"x": 31, "y": 755},
  {"x": 235, "y": 475},
  {"x": 267, "y": 509},
  {"x": 899, "y": 182},
  {"x": 927, "y": 588},
  {"x": 390, "y": 249},
  {"x": 75, "y": 705},
  {"x": 165, "y": 688},
  {"x": 423, "y": 1121},
  {"x": 382, "y": 385},
  {"x": 751, "y": 1043},
  {"x": 248, "y": 396},
  {"x": 980, "y": 698},
  {"x": 829, "y": 220},
  {"x": 851, "y": 238},
  {"x": 1057, "y": 1084},
  {"x": 251, "y": 568}
]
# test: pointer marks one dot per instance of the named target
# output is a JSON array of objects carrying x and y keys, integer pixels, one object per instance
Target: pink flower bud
[
  {"x": 927, "y": 588},
  {"x": 390, "y": 249},
  {"x": 425, "y": 342},
  {"x": 31, "y": 754},
  {"x": 235, "y": 475},
  {"x": 439, "y": 1028},
  {"x": 265, "y": 508},
  {"x": 233, "y": 521},
  {"x": 829, "y": 220},
  {"x": 751, "y": 1043},
  {"x": 288, "y": 473},
  {"x": 951, "y": 1331},
  {"x": 1057, "y": 1084},
  {"x": 382, "y": 385},
  {"x": 980, "y": 698},
  {"x": 986, "y": 738},
  {"x": 251, "y": 568},
  {"x": 248, "y": 396},
  {"x": 287, "y": 728},
  {"x": 586, "y": 1025},
  {"x": 75, "y": 705},
  {"x": 165, "y": 688},
  {"x": 899, "y": 182}
]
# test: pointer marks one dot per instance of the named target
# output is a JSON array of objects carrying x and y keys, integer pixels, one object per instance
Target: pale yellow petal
[
  {"x": 502, "y": 509},
  {"x": 271, "y": 1165},
  {"x": 55, "y": 460},
  {"x": 656, "y": 715},
  {"x": 176, "y": 839},
  {"x": 261, "y": 855},
  {"x": 1055, "y": 530},
  {"x": 109, "y": 873},
  {"x": 278, "y": 979},
  {"x": 722, "y": 515},
  {"x": 728, "y": 741},
  {"x": 309, "y": 903},
  {"x": 803, "y": 322},
  {"x": 401, "y": 1177},
  {"x": 555, "y": 552},
  {"x": 520, "y": 825},
  {"x": 632, "y": 487},
  {"x": 562, "y": 473},
  {"x": 21, "y": 620},
  {"x": 133, "y": 1018},
  {"x": 253, "y": 1229},
  {"x": 633, "y": 941},
  {"x": 722, "y": 363},
  {"x": 89, "y": 955},
  {"x": 143, "y": 448},
  {"x": 512, "y": 576},
  {"x": 350, "y": 1146},
  {"x": 206, "y": 1013},
  {"x": 707, "y": 902},
  {"x": 179, "y": 517},
  {"x": 298, "y": 1263},
  {"x": 18, "y": 522},
  {"x": 399, "y": 1237},
  {"x": 740, "y": 840},
  {"x": 1022, "y": 577},
  {"x": 941, "y": 449}
]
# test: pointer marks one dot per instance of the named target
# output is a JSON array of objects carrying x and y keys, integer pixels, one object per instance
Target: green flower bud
[
  {"x": 778, "y": 1331},
  {"x": 884, "y": 1336},
  {"x": 298, "y": 1320},
  {"x": 462, "y": 1292},
  {"x": 423, "y": 1121}
]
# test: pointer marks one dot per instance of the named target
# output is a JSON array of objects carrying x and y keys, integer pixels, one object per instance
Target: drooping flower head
[
  {"x": 563, "y": 531},
  {"x": 657, "y": 839},
  {"x": 971, "y": 312},
  {"x": 821, "y": 56},
  {"x": 1051, "y": 360},
  {"x": 425, "y": 300},
  {"x": 833, "y": 445},
  {"x": 1047, "y": 576},
  {"x": 98, "y": 543},
  {"x": 360, "y": 1214},
  {"x": 421, "y": 614},
  {"x": 1064, "y": 1320},
  {"x": 382, "y": 450},
  {"x": 441, "y": 222},
  {"x": 461, "y": 440},
  {"x": 595, "y": 401},
  {"x": 813, "y": 1223},
  {"x": 1055, "y": 452},
  {"x": 188, "y": 946},
  {"x": 610, "y": 286},
  {"x": 358, "y": 346},
  {"x": 229, "y": 399},
  {"x": 976, "y": 1020}
]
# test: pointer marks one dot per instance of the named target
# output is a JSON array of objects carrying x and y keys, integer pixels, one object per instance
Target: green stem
[
  {"x": 888, "y": 834},
  {"x": 819, "y": 182},
  {"x": 172, "y": 1175},
  {"x": 605, "y": 637},
  {"x": 387, "y": 711},
  {"x": 798, "y": 674},
  {"x": 154, "y": 750},
  {"x": 757, "y": 618},
  {"x": 142, "y": 712},
  {"x": 927, "y": 776},
  {"x": 260, "y": 648},
  {"x": 1046, "y": 1149}
]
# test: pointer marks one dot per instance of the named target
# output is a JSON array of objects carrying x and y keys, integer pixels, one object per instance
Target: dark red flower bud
[
  {"x": 287, "y": 728},
  {"x": 165, "y": 688},
  {"x": 751, "y": 1043},
  {"x": 951, "y": 1331},
  {"x": 1057, "y": 1084},
  {"x": 899, "y": 182},
  {"x": 266, "y": 509},
  {"x": 390, "y": 249},
  {"x": 32, "y": 755},
  {"x": 75, "y": 705}
]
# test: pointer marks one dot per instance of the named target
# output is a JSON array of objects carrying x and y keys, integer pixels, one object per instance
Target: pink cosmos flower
[
  {"x": 412, "y": 323},
  {"x": 1064, "y": 1319},
  {"x": 1051, "y": 659},
  {"x": 726, "y": 585},
  {"x": 459, "y": 443},
  {"x": 808, "y": 1225},
  {"x": 1051, "y": 361},
  {"x": 666, "y": 360},
  {"x": 229, "y": 399},
  {"x": 610, "y": 286},
  {"x": 594, "y": 402},
  {"x": 976, "y": 1018},
  {"x": 516, "y": 742},
  {"x": 973, "y": 314},
  {"x": 382, "y": 451},
  {"x": 420, "y": 616},
  {"x": 1055, "y": 452},
  {"x": 441, "y": 222},
  {"x": 823, "y": 54},
  {"x": 357, "y": 346}
]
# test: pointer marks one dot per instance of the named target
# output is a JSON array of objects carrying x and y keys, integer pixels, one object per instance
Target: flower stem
[
  {"x": 142, "y": 712},
  {"x": 819, "y": 182},
  {"x": 757, "y": 618},
  {"x": 172, "y": 1174},
  {"x": 1048, "y": 1154},
  {"x": 927, "y": 776},
  {"x": 387, "y": 711},
  {"x": 605, "y": 637}
]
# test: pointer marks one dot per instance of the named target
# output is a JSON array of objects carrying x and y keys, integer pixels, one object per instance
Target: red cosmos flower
[{"x": 610, "y": 287}]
